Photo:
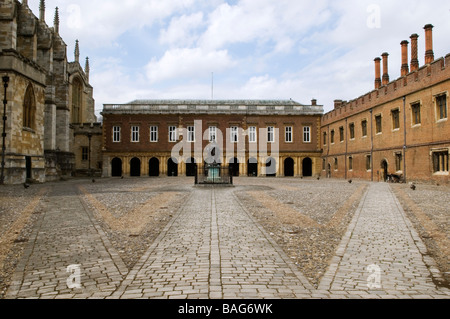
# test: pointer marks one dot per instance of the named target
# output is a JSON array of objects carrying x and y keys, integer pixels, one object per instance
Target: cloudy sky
[{"x": 249, "y": 49}]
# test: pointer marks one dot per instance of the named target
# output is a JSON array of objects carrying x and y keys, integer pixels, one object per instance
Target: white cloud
[
  {"x": 182, "y": 30},
  {"x": 258, "y": 48},
  {"x": 186, "y": 63}
]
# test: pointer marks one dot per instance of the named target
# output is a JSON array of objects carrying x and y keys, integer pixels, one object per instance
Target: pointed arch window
[
  {"x": 29, "y": 108},
  {"x": 77, "y": 91}
]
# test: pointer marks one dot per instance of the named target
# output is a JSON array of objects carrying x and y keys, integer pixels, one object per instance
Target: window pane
[
  {"x": 288, "y": 134},
  {"x": 307, "y": 134},
  {"x": 252, "y": 134},
  {"x": 172, "y": 134}
]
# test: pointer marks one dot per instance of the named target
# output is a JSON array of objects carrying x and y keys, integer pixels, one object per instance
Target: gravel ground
[{"x": 133, "y": 212}]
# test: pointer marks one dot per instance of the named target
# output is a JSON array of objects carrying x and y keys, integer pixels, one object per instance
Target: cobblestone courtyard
[{"x": 264, "y": 238}]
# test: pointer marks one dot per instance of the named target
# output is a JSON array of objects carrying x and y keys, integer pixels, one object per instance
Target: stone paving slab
[
  {"x": 214, "y": 249},
  {"x": 66, "y": 235},
  {"x": 381, "y": 253}
]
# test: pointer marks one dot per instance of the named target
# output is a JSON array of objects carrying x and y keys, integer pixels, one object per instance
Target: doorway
[
  {"x": 252, "y": 167},
  {"x": 28, "y": 166},
  {"x": 271, "y": 167},
  {"x": 191, "y": 167},
  {"x": 116, "y": 167},
  {"x": 172, "y": 167},
  {"x": 307, "y": 167},
  {"x": 234, "y": 167},
  {"x": 153, "y": 166},
  {"x": 384, "y": 170},
  {"x": 289, "y": 167},
  {"x": 135, "y": 167}
]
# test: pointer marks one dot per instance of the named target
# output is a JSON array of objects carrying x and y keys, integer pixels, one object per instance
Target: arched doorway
[
  {"x": 28, "y": 167},
  {"x": 116, "y": 167},
  {"x": 191, "y": 167},
  {"x": 289, "y": 167},
  {"x": 271, "y": 167},
  {"x": 307, "y": 167},
  {"x": 172, "y": 167},
  {"x": 135, "y": 167},
  {"x": 153, "y": 167},
  {"x": 234, "y": 167},
  {"x": 252, "y": 167},
  {"x": 384, "y": 170}
]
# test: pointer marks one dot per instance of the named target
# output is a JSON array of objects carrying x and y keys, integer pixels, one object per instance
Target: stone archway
[
  {"x": 234, "y": 167},
  {"x": 153, "y": 167},
  {"x": 135, "y": 167},
  {"x": 252, "y": 167},
  {"x": 172, "y": 167},
  {"x": 116, "y": 167},
  {"x": 271, "y": 167},
  {"x": 307, "y": 167},
  {"x": 191, "y": 167},
  {"x": 289, "y": 167}
]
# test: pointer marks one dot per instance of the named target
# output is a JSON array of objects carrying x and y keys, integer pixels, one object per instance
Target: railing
[{"x": 214, "y": 174}]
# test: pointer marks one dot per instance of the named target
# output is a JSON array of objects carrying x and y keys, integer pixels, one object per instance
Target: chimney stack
[
  {"x": 405, "y": 67},
  {"x": 429, "y": 54},
  {"x": 414, "y": 53},
  {"x": 337, "y": 103},
  {"x": 377, "y": 73},
  {"x": 314, "y": 102},
  {"x": 385, "y": 79}
]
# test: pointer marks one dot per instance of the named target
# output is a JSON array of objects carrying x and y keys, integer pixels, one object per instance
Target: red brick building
[
  {"x": 400, "y": 128},
  {"x": 140, "y": 137}
]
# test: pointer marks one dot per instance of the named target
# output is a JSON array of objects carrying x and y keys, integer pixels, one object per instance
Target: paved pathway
[
  {"x": 381, "y": 255},
  {"x": 214, "y": 249},
  {"x": 66, "y": 235}
]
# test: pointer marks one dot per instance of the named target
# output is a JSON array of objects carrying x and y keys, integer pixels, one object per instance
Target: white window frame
[
  {"x": 173, "y": 136},
  {"x": 191, "y": 134},
  {"x": 252, "y": 134},
  {"x": 234, "y": 134},
  {"x": 212, "y": 134},
  {"x": 117, "y": 136},
  {"x": 154, "y": 134},
  {"x": 288, "y": 134},
  {"x": 271, "y": 134},
  {"x": 307, "y": 134},
  {"x": 135, "y": 136}
]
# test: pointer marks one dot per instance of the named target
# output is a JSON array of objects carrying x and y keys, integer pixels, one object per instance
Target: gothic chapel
[{"x": 50, "y": 119}]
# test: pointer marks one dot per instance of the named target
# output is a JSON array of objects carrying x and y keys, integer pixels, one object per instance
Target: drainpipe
[
  {"x": 346, "y": 146},
  {"x": 328, "y": 174},
  {"x": 371, "y": 143},
  {"x": 404, "y": 145}
]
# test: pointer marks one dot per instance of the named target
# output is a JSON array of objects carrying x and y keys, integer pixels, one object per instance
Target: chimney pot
[
  {"x": 385, "y": 79},
  {"x": 337, "y": 104},
  {"x": 405, "y": 67},
  {"x": 429, "y": 54},
  {"x": 377, "y": 73},
  {"x": 414, "y": 53}
]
